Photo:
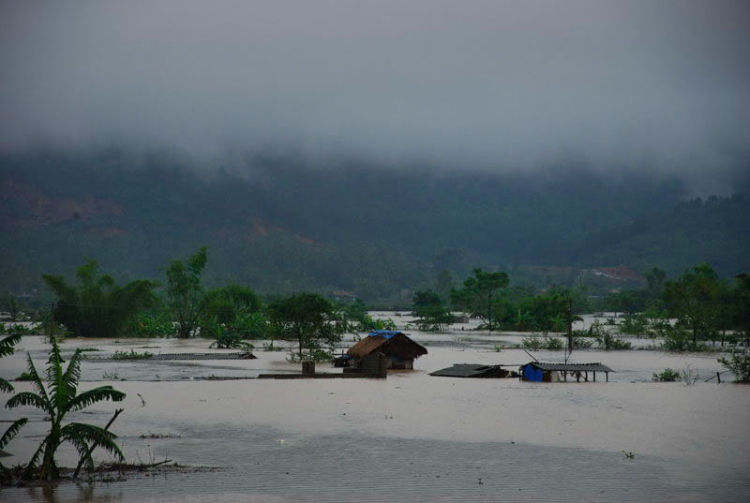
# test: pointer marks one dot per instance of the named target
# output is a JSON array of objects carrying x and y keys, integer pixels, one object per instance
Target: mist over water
[{"x": 487, "y": 85}]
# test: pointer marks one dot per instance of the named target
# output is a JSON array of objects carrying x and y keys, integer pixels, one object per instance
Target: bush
[
  {"x": 738, "y": 365},
  {"x": 228, "y": 340},
  {"x": 151, "y": 325},
  {"x": 536, "y": 343},
  {"x": 634, "y": 325},
  {"x": 581, "y": 343},
  {"x": 317, "y": 355},
  {"x": 131, "y": 355},
  {"x": 608, "y": 342},
  {"x": 667, "y": 375},
  {"x": 676, "y": 339}
]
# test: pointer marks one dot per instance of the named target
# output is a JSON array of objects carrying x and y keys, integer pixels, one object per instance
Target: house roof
[
  {"x": 466, "y": 370},
  {"x": 388, "y": 342},
  {"x": 597, "y": 367}
]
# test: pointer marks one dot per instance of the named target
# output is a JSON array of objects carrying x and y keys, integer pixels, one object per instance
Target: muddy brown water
[{"x": 411, "y": 437}]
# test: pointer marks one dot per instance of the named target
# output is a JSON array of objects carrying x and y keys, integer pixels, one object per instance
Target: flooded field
[{"x": 411, "y": 437}]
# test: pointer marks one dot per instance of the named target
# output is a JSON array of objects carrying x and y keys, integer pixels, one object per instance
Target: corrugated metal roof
[
  {"x": 465, "y": 370},
  {"x": 574, "y": 367}
]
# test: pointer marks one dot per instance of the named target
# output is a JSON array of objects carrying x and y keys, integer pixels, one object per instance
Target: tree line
[{"x": 687, "y": 311}]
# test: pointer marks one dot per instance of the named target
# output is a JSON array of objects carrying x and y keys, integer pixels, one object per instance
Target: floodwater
[{"x": 411, "y": 437}]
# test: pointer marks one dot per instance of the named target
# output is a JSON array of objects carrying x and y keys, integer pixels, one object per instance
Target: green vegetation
[
  {"x": 7, "y": 348},
  {"x": 536, "y": 342},
  {"x": 667, "y": 375},
  {"x": 131, "y": 355},
  {"x": 693, "y": 298},
  {"x": 96, "y": 306},
  {"x": 311, "y": 321},
  {"x": 151, "y": 324},
  {"x": 738, "y": 364},
  {"x": 607, "y": 341},
  {"x": 272, "y": 211},
  {"x": 18, "y": 329},
  {"x": 185, "y": 292},
  {"x": 695, "y": 312},
  {"x": 58, "y": 398},
  {"x": 479, "y": 295},
  {"x": 431, "y": 311},
  {"x": 225, "y": 339},
  {"x": 12, "y": 306}
]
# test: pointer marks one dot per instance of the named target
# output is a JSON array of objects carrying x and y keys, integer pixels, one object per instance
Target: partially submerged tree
[
  {"x": 738, "y": 364},
  {"x": 431, "y": 310},
  {"x": 234, "y": 312},
  {"x": 96, "y": 306},
  {"x": 310, "y": 320},
  {"x": 58, "y": 398},
  {"x": 185, "y": 292},
  {"x": 693, "y": 299},
  {"x": 480, "y": 293}
]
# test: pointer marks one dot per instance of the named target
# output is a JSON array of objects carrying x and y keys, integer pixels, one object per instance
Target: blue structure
[
  {"x": 532, "y": 373},
  {"x": 551, "y": 372}
]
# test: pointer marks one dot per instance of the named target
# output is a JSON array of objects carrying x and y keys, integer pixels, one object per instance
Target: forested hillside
[{"x": 279, "y": 224}]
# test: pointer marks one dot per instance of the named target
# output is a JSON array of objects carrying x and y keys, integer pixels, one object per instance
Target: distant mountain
[{"x": 280, "y": 225}]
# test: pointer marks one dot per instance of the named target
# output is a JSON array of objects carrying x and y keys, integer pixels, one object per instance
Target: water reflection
[{"x": 79, "y": 493}]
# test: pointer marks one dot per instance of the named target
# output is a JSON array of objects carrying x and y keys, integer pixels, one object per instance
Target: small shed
[
  {"x": 474, "y": 370},
  {"x": 399, "y": 349},
  {"x": 555, "y": 372}
]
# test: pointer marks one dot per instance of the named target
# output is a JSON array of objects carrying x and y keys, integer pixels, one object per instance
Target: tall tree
[
  {"x": 96, "y": 306},
  {"x": 479, "y": 294},
  {"x": 431, "y": 310},
  {"x": 309, "y": 319},
  {"x": 693, "y": 298},
  {"x": 185, "y": 292}
]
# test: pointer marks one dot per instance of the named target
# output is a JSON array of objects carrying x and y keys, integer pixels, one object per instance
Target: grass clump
[{"x": 131, "y": 355}]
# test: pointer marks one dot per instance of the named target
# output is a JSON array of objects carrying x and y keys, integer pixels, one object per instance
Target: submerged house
[
  {"x": 474, "y": 370},
  {"x": 556, "y": 372},
  {"x": 399, "y": 349}
]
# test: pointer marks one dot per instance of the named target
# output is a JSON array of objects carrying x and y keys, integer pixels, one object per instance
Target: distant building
[{"x": 399, "y": 349}]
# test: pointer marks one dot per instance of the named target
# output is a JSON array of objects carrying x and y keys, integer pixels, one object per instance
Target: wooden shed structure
[
  {"x": 555, "y": 372},
  {"x": 399, "y": 349}
]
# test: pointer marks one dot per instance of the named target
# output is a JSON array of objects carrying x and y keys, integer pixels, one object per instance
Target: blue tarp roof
[{"x": 385, "y": 333}]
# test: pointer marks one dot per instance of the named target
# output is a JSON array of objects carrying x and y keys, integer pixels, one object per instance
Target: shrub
[
  {"x": 667, "y": 375},
  {"x": 151, "y": 325},
  {"x": 131, "y": 355},
  {"x": 676, "y": 339},
  {"x": 536, "y": 343},
  {"x": 738, "y": 364},
  {"x": 608, "y": 342}
]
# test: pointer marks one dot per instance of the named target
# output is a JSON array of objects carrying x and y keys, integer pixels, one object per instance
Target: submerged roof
[
  {"x": 596, "y": 367},
  {"x": 388, "y": 342},
  {"x": 468, "y": 370}
]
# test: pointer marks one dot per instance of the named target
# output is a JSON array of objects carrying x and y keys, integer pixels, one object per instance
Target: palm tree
[{"x": 61, "y": 399}]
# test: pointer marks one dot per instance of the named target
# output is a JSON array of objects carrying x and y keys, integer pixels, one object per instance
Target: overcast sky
[{"x": 463, "y": 84}]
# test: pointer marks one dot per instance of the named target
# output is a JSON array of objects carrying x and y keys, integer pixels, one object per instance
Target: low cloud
[{"x": 484, "y": 85}]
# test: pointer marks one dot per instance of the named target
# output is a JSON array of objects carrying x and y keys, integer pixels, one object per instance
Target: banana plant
[
  {"x": 6, "y": 349},
  {"x": 57, "y": 398}
]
